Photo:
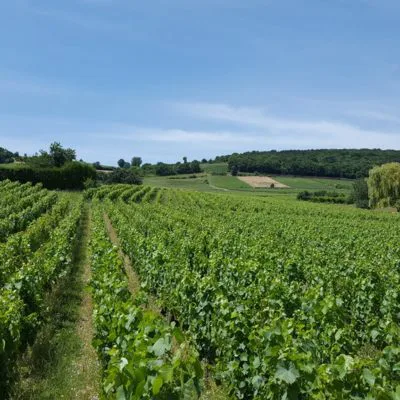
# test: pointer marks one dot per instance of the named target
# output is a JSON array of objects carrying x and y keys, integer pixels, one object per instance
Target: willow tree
[{"x": 384, "y": 186}]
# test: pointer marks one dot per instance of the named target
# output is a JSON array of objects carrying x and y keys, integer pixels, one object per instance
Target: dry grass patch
[{"x": 262, "y": 182}]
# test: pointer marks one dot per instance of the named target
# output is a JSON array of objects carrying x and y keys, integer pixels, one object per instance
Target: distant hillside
[{"x": 342, "y": 163}]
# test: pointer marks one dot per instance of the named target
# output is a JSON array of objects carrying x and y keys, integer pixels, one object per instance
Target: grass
[
  {"x": 218, "y": 168},
  {"x": 13, "y": 166},
  {"x": 228, "y": 182},
  {"x": 310, "y": 183},
  {"x": 199, "y": 184},
  {"x": 51, "y": 367},
  {"x": 219, "y": 183}
]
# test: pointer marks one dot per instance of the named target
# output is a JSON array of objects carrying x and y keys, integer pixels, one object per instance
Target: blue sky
[{"x": 164, "y": 79}]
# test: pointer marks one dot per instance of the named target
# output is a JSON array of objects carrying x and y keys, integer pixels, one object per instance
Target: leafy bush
[
  {"x": 6, "y": 156},
  {"x": 71, "y": 176},
  {"x": 179, "y": 168},
  {"x": 384, "y": 185},
  {"x": 122, "y": 175},
  {"x": 359, "y": 194},
  {"x": 323, "y": 196}
]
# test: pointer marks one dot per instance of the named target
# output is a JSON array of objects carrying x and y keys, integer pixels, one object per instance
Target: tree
[
  {"x": 121, "y": 163},
  {"x": 97, "y": 164},
  {"x": 56, "y": 157},
  {"x": 60, "y": 155},
  {"x": 359, "y": 194},
  {"x": 148, "y": 169},
  {"x": 184, "y": 160},
  {"x": 163, "y": 169},
  {"x": 234, "y": 170},
  {"x": 6, "y": 156},
  {"x": 136, "y": 162},
  {"x": 123, "y": 175},
  {"x": 384, "y": 186},
  {"x": 126, "y": 165},
  {"x": 195, "y": 167}
]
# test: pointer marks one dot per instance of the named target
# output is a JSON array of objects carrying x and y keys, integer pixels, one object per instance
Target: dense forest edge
[{"x": 336, "y": 163}]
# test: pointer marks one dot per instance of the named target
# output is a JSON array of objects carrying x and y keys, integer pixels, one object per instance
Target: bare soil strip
[
  {"x": 262, "y": 182},
  {"x": 218, "y": 188}
]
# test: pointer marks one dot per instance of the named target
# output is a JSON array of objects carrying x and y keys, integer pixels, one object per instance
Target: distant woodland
[{"x": 341, "y": 163}]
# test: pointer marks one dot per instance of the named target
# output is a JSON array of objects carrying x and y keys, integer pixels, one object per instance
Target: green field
[
  {"x": 199, "y": 183},
  {"x": 228, "y": 182},
  {"x": 218, "y": 168},
  {"x": 218, "y": 183},
  {"x": 311, "y": 183},
  {"x": 272, "y": 292},
  {"x": 149, "y": 292}
]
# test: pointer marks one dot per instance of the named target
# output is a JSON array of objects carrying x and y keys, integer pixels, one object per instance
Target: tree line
[{"x": 337, "y": 163}]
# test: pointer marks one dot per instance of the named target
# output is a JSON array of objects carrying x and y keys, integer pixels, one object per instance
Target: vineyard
[
  {"x": 212, "y": 296},
  {"x": 37, "y": 232}
]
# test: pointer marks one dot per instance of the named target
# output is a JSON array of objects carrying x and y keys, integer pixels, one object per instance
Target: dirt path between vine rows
[
  {"x": 133, "y": 279},
  {"x": 87, "y": 365}
]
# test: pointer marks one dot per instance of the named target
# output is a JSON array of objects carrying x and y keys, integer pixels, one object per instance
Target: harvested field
[{"x": 262, "y": 182}]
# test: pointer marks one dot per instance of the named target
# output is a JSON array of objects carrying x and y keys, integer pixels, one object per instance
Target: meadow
[
  {"x": 224, "y": 295},
  {"x": 207, "y": 182}
]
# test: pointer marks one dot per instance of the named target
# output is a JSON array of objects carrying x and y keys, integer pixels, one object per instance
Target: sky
[{"x": 164, "y": 79}]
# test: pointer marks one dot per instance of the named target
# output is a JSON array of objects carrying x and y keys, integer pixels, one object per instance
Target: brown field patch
[{"x": 262, "y": 182}]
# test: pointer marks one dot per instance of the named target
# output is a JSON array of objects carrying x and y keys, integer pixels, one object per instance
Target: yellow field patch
[{"x": 262, "y": 182}]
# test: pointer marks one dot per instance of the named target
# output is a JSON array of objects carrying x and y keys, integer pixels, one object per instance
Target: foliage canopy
[{"x": 384, "y": 186}]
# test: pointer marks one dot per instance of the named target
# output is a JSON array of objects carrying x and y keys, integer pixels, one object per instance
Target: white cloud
[
  {"x": 179, "y": 136},
  {"x": 303, "y": 133}
]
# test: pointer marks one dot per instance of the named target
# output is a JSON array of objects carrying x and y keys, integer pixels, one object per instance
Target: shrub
[
  {"x": 322, "y": 196},
  {"x": 71, "y": 176},
  {"x": 359, "y": 194},
  {"x": 384, "y": 185},
  {"x": 124, "y": 176}
]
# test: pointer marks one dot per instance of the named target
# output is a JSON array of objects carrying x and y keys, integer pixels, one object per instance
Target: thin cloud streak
[
  {"x": 253, "y": 140},
  {"x": 374, "y": 115},
  {"x": 258, "y": 118},
  {"x": 180, "y": 136}
]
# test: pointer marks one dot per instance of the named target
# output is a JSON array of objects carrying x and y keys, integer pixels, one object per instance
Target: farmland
[
  {"x": 226, "y": 183},
  {"x": 210, "y": 295},
  {"x": 38, "y": 228}
]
